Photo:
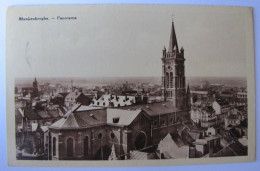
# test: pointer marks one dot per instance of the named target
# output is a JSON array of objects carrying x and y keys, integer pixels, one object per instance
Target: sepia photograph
[{"x": 130, "y": 83}]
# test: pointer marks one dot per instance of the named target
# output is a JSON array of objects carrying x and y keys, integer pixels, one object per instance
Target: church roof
[
  {"x": 74, "y": 119},
  {"x": 173, "y": 40},
  {"x": 154, "y": 109},
  {"x": 78, "y": 118},
  {"x": 125, "y": 117}
]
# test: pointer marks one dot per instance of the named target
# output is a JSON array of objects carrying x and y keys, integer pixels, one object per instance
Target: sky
[{"x": 126, "y": 41}]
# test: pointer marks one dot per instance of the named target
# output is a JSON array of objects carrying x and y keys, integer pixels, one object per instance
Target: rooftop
[{"x": 155, "y": 109}]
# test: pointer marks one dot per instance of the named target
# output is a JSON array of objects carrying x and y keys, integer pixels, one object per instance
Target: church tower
[
  {"x": 173, "y": 73},
  {"x": 35, "y": 88}
]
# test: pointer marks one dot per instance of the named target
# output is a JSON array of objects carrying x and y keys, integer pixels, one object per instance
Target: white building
[{"x": 110, "y": 100}]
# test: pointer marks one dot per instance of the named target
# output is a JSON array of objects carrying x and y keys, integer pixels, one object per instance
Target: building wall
[
  {"x": 140, "y": 124},
  {"x": 94, "y": 142},
  {"x": 123, "y": 137}
]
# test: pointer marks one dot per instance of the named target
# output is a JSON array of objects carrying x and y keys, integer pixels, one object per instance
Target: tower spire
[{"x": 173, "y": 40}]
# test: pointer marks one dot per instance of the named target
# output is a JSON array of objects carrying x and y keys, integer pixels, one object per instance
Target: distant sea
[{"x": 100, "y": 81}]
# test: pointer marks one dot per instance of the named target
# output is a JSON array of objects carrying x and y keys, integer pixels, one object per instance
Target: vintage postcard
[{"x": 129, "y": 85}]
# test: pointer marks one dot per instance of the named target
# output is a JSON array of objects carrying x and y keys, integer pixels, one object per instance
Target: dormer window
[{"x": 116, "y": 120}]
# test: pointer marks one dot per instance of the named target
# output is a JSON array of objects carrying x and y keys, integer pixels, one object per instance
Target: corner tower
[{"x": 173, "y": 73}]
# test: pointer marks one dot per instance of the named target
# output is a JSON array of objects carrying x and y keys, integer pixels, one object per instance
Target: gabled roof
[
  {"x": 172, "y": 146},
  {"x": 177, "y": 139},
  {"x": 125, "y": 117}
]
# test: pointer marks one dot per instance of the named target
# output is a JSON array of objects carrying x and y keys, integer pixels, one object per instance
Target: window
[
  {"x": 171, "y": 80},
  {"x": 116, "y": 120},
  {"x": 167, "y": 79},
  {"x": 70, "y": 147},
  {"x": 112, "y": 135},
  {"x": 171, "y": 120},
  {"x": 100, "y": 135},
  {"x": 86, "y": 139},
  {"x": 163, "y": 122},
  {"x": 54, "y": 146}
]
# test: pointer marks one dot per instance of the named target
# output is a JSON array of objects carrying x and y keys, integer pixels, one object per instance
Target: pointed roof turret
[
  {"x": 173, "y": 40},
  {"x": 113, "y": 153}
]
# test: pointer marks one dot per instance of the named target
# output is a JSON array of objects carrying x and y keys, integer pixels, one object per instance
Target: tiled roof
[
  {"x": 233, "y": 149},
  {"x": 33, "y": 114},
  {"x": 139, "y": 155},
  {"x": 194, "y": 135},
  {"x": 154, "y": 109},
  {"x": 125, "y": 117},
  {"x": 30, "y": 113},
  {"x": 82, "y": 117},
  {"x": 84, "y": 108},
  {"x": 74, "y": 119}
]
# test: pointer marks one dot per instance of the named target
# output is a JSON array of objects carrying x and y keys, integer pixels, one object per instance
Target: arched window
[
  {"x": 69, "y": 147},
  {"x": 112, "y": 135},
  {"x": 171, "y": 79},
  {"x": 54, "y": 146}
]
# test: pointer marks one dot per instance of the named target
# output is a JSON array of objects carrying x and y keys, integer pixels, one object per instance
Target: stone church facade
[{"x": 90, "y": 132}]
